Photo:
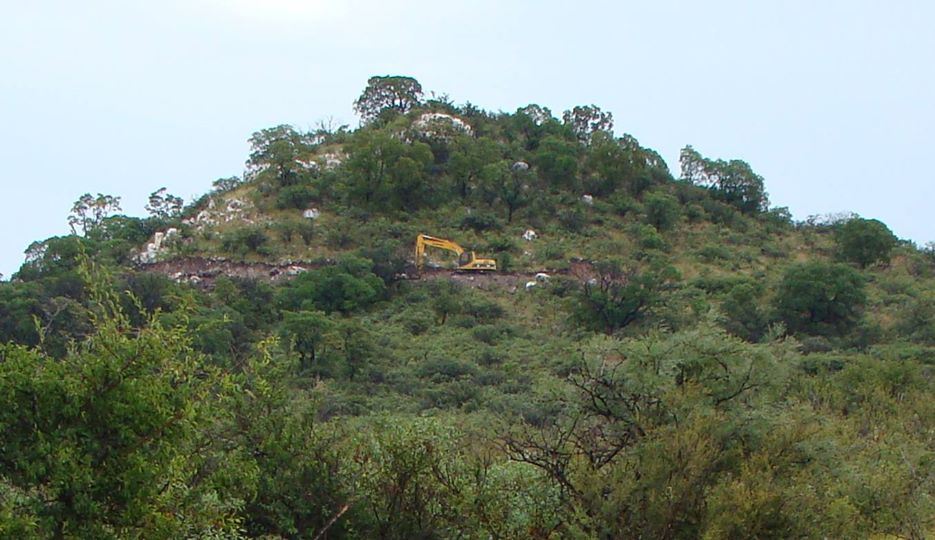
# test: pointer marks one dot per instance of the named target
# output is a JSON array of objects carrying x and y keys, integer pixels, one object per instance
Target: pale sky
[{"x": 832, "y": 102}]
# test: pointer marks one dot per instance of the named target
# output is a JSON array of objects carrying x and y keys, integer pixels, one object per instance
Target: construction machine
[{"x": 467, "y": 260}]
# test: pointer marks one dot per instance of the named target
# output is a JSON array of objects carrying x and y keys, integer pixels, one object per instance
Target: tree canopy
[{"x": 393, "y": 93}]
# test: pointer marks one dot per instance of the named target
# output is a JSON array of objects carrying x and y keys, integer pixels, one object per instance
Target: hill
[{"x": 655, "y": 356}]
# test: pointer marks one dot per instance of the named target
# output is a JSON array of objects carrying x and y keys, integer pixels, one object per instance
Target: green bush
[
  {"x": 625, "y": 205},
  {"x": 298, "y": 196},
  {"x": 662, "y": 210},
  {"x": 244, "y": 241},
  {"x": 864, "y": 241},
  {"x": 347, "y": 286},
  {"x": 820, "y": 298},
  {"x": 481, "y": 221},
  {"x": 649, "y": 238},
  {"x": 714, "y": 252}
]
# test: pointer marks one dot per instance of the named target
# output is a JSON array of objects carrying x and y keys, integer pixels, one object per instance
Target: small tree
[
  {"x": 468, "y": 158},
  {"x": 164, "y": 205},
  {"x": 557, "y": 161},
  {"x": 88, "y": 212},
  {"x": 500, "y": 184},
  {"x": 662, "y": 210},
  {"x": 820, "y": 298},
  {"x": 732, "y": 181},
  {"x": 306, "y": 331},
  {"x": 618, "y": 297},
  {"x": 279, "y": 151},
  {"x": 585, "y": 120},
  {"x": 865, "y": 241},
  {"x": 389, "y": 92}
]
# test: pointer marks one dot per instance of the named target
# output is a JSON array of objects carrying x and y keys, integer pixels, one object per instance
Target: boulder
[{"x": 530, "y": 235}]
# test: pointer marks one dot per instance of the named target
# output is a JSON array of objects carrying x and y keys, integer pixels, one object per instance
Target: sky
[{"x": 832, "y": 102}]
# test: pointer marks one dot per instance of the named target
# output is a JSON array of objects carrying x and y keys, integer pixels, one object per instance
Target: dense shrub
[
  {"x": 820, "y": 298},
  {"x": 298, "y": 196},
  {"x": 345, "y": 287},
  {"x": 662, "y": 210},
  {"x": 244, "y": 241},
  {"x": 864, "y": 241}
]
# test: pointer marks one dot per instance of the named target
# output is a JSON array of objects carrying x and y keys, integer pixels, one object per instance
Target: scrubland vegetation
[{"x": 697, "y": 364}]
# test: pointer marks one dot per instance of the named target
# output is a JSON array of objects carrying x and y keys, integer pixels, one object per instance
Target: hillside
[{"x": 659, "y": 354}]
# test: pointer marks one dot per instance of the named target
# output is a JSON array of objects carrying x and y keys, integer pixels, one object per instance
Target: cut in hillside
[{"x": 647, "y": 353}]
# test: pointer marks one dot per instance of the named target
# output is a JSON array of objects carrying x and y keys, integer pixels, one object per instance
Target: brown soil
[{"x": 204, "y": 272}]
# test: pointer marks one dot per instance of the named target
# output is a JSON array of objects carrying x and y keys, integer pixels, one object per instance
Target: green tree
[
  {"x": 820, "y": 298},
  {"x": 356, "y": 343},
  {"x": 501, "y": 184},
  {"x": 386, "y": 171},
  {"x": 744, "y": 317},
  {"x": 164, "y": 205},
  {"x": 344, "y": 287},
  {"x": 306, "y": 331},
  {"x": 586, "y": 120},
  {"x": 468, "y": 158},
  {"x": 393, "y": 93},
  {"x": 279, "y": 152},
  {"x": 89, "y": 212},
  {"x": 662, "y": 210},
  {"x": 619, "y": 297},
  {"x": 647, "y": 427},
  {"x": 732, "y": 181},
  {"x": 101, "y": 443},
  {"x": 864, "y": 241},
  {"x": 556, "y": 159}
]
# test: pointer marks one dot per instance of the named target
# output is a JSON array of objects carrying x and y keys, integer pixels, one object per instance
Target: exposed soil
[{"x": 204, "y": 272}]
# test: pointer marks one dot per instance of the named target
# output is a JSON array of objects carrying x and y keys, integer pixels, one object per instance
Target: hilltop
[{"x": 659, "y": 353}]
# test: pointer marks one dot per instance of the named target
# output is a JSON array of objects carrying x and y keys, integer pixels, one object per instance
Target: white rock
[
  {"x": 295, "y": 270},
  {"x": 520, "y": 166},
  {"x": 333, "y": 159},
  {"x": 530, "y": 235},
  {"x": 530, "y": 285},
  {"x": 542, "y": 277},
  {"x": 309, "y": 165},
  {"x": 440, "y": 125},
  {"x": 311, "y": 213},
  {"x": 588, "y": 199}
]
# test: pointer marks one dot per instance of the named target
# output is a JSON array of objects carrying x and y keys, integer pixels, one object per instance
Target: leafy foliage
[
  {"x": 585, "y": 390},
  {"x": 865, "y": 241},
  {"x": 733, "y": 181},
  {"x": 397, "y": 94},
  {"x": 820, "y": 298}
]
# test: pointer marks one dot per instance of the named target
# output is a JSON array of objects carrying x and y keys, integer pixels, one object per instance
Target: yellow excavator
[{"x": 467, "y": 260}]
